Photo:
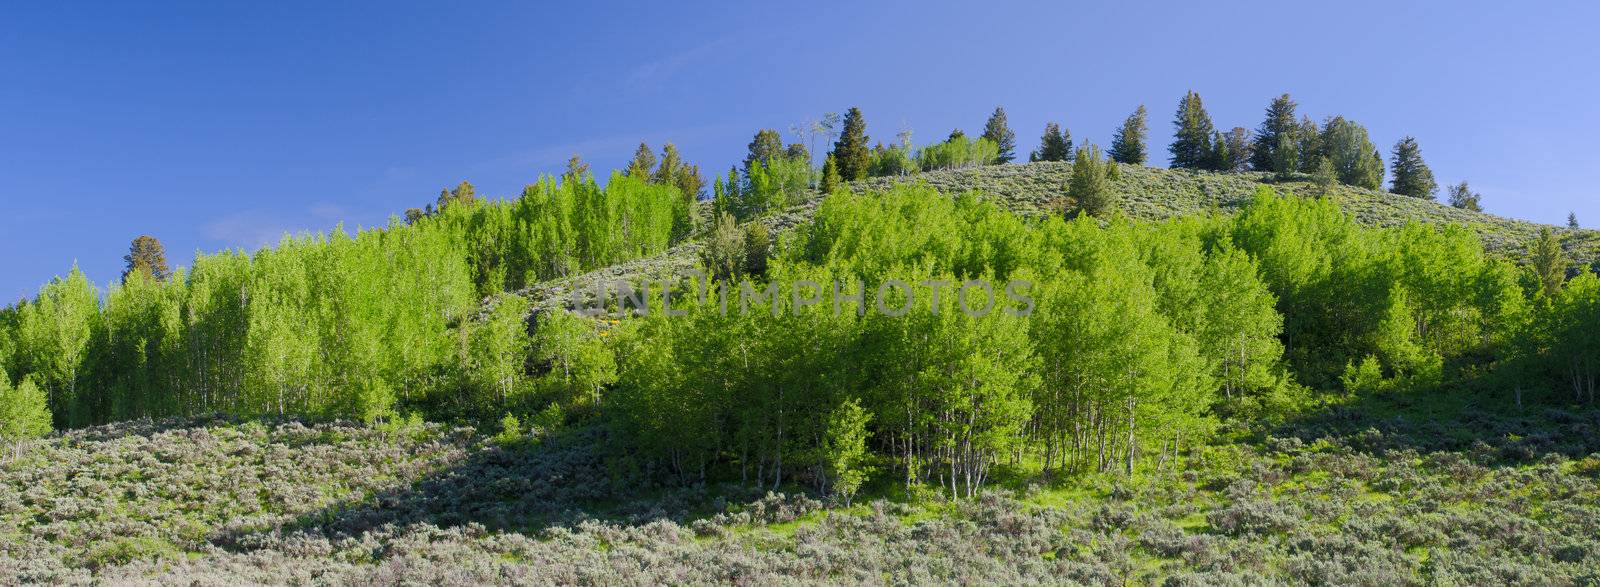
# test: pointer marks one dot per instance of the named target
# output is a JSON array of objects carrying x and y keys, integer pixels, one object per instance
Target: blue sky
[{"x": 219, "y": 125}]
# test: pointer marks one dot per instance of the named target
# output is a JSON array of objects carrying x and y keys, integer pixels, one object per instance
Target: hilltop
[{"x": 1033, "y": 189}]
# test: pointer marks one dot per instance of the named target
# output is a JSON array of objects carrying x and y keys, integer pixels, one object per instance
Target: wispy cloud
[{"x": 652, "y": 75}]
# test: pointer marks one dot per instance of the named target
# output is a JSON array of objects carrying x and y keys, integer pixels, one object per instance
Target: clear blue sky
[{"x": 218, "y": 125}]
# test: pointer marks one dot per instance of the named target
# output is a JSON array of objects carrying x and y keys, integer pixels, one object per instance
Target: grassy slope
[
  {"x": 1377, "y": 491},
  {"x": 1148, "y": 192}
]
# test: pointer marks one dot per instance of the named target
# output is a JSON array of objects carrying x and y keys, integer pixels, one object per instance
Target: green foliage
[
  {"x": 766, "y": 146},
  {"x": 23, "y": 411},
  {"x": 1549, "y": 262},
  {"x": 851, "y": 156},
  {"x": 1354, "y": 158},
  {"x": 1054, "y": 145},
  {"x": 146, "y": 257},
  {"x": 1128, "y": 145},
  {"x": 1276, "y": 135},
  {"x": 845, "y": 447},
  {"x": 1192, "y": 143},
  {"x": 831, "y": 180},
  {"x": 511, "y": 431},
  {"x": 574, "y": 363},
  {"x": 957, "y": 152},
  {"x": 1091, "y": 188},
  {"x": 1411, "y": 175},
  {"x": 723, "y": 253},
  {"x": 996, "y": 131},
  {"x": 644, "y": 160},
  {"x": 891, "y": 161}
]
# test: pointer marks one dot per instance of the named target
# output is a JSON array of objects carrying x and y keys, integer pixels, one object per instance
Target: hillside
[
  {"x": 1369, "y": 493},
  {"x": 1147, "y": 192}
]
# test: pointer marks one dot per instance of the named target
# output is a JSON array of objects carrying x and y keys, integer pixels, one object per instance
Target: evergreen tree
[
  {"x": 766, "y": 145},
  {"x": 955, "y": 135},
  {"x": 1090, "y": 187},
  {"x": 1219, "y": 158},
  {"x": 1411, "y": 175},
  {"x": 851, "y": 155},
  {"x": 1055, "y": 145},
  {"x": 1277, "y": 129},
  {"x": 1549, "y": 262},
  {"x": 147, "y": 257},
  {"x": 577, "y": 169},
  {"x": 757, "y": 249},
  {"x": 1572, "y": 220},
  {"x": 1128, "y": 144},
  {"x": 1308, "y": 142},
  {"x": 1240, "y": 149},
  {"x": 1354, "y": 158},
  {"x": 996, "y": 130},
  {"x": 831, "y": 181},
  {"x": 1193, "y": 140},
  {"x": 1286, "y": 157},
  {"x": 798, "y": 152},
  {"x": 1324, "y": 177},
  {"x": 1462, "y": 196},
  {"x": 644, "y": 161}
]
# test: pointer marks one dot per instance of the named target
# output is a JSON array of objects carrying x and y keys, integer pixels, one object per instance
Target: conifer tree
[
  {"x": 996, "y": 130},
  {"x": 1411, "y": 175},
  {"x": 1308, "y": 141},
  {"x": 1462, "y": 196},
  {"x": 1240, "y": 149},
  {"x": 1219, "y": 159},
  {"x": 1286, "y": 157},
  {"x": 851, "y": 154},
  {"x": 1090, "y": 187},
  {"x": 577, "y": 169},
  {"x": 1277, "y": 129},
  {"x": 1054, "y": 145},
  {"x": 1549, "y": 262},
  {"x": 797, "y": 152},
  {"x": 1128, "y": 144},
  {"x": 1354, "y": 158},
  {"x": 831, "y": 181},
  {"x": 1572, "y": 220},
  {"x": 146, "y": 256},
  {"x": 644, "y": 161},
  {"x": 1193, "y": 140},
  {"x": 766, "y": 146},
  {"x": 1324, "y": 176}
]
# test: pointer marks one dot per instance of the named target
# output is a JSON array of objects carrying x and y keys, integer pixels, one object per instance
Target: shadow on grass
[
  {"x": 561, "y": 480},
  {"x": 1492, "y": 426}
]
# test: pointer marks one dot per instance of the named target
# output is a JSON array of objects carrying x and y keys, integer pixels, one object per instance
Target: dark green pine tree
[
  {"x": 1308, "y": 143},
  {"x": 831, "y": 181},
  {"x": 851, "y": 154},
  {"x": 146, "y": 256},
  {"x": 1128, "y": 144},
  {"x": 644, "y": 160},
  {"x": 1192, "y": 139},
  {"x": 1572, "y": 220},
  {"x": 1055, "y": 145},
  {"x": 1090, "y": 187},
  {"x": 1280, "y": 124},
  {"x": 996, "y": 130},
  {"x": 767, "y": 145},
  {"x": 1462, "y": 196},
  {"x": 1218, "y": 159},
  {"x": 1411, "y": 175}
]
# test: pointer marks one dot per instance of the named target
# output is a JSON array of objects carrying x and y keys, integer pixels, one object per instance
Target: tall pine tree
[
  {"x": 851, "y": 156},
  {"x": 996, "y": 130},
  {"x": 1128, "y": 144},
  {"x": 1280, "y": 124},
  {"x": 644, "y": 160},
  {"x": 1193, "y": 139},
  {"x": 146, "y": 256},
  {"x": 1055, "y": 145},
  {"x": 767, "y": 145},
  {"x": 1411, "y": 175}
]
